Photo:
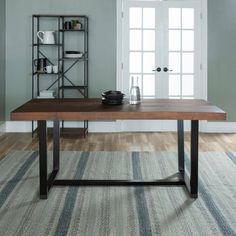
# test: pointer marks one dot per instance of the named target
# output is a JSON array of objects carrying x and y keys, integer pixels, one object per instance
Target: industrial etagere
[{"x": 60, "y": 81}]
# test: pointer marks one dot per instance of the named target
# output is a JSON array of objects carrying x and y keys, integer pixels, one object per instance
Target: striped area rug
[{"x": 120, "y": 211}]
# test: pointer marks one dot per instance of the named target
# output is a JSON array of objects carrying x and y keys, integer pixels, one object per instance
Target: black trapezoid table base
[
  {"x": 114, "y": 182},
  {"x": 46, "y": 183},
  {"x": 52, "y": 181}
]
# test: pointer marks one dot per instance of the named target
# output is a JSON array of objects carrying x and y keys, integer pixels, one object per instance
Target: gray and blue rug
[{"x": 120, "y": 211}]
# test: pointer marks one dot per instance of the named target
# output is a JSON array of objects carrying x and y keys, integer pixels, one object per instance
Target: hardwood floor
[{"x": 119, "y": 142}]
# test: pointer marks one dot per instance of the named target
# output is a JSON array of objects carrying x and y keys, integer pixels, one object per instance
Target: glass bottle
[{"x": 135, "y": 96}]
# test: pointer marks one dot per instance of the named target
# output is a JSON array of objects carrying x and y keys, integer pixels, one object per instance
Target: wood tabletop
[{"x": 93, "y": 109}]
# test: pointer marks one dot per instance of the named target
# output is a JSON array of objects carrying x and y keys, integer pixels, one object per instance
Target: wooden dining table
[{"x": 56, "y": 110}]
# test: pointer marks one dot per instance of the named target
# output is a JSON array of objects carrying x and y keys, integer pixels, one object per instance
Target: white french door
[{"x": 162, "y": 47}]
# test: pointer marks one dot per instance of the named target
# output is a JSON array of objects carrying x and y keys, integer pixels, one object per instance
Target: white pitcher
[{"x": 46, "y": 37}]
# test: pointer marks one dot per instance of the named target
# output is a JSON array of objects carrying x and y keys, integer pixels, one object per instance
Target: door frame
[{"x": 120, "y": 50}]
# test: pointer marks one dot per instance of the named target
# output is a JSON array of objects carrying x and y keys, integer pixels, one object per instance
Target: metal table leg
[
  {"x": 56, "y": 144},
  {"x": 56, "y": 153},
  {"x": 181, "y": 147},
  {"x": 43, "y": 186},
  {"x": 190, "y": 182},
  {"x": 46, "y": 184},
  {"x": 194, "y": 159}
]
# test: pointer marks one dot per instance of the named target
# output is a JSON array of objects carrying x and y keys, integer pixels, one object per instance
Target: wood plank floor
[{"x": 119, "y": 142}]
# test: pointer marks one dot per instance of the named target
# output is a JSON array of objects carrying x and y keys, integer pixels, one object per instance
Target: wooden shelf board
[
  {"x": 76, "y": 58},
  {"x": 66, "y": 132},
  {"x": 73, "y": 30},
  {"x": 74, "y": 87},
  {"x": 54, "y": 15},
  {"x": 43, "y": 73},
  {"x": 45, "y": 44}
]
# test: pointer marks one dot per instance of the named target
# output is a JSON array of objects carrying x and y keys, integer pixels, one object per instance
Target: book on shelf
[{"x": 47, "y": 94}]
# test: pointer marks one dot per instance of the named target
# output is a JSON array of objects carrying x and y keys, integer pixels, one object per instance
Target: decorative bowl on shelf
[{"x": 73, "y": 54}]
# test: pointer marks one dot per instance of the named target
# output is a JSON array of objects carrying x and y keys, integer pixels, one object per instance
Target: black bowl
[
  {"x": 112, "y": 102},
  {"x": 72, "y": 52},
  {"x": 113, "y": 95}
]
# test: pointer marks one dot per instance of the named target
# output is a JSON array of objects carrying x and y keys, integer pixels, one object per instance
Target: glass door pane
[
  {"x": 181, "y": 52},
  {"x": 142, "y": 48},
  {"x": 163, "y": 34}
]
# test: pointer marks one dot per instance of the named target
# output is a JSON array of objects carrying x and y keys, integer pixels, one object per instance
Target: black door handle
[
  {"x": 165, "y": 69},
  {"x": 158, "y": 69}
]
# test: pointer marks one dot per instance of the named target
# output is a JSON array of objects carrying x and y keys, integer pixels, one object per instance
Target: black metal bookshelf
[{"x": 61, "y": 81}]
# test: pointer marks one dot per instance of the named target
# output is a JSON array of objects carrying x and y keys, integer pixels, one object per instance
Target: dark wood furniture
[{"x": 92, "y": 109}]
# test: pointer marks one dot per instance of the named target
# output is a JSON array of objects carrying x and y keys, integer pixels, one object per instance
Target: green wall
[
  {"x": 102, "y": 44},
  {"x": 222, "y": 55},
  {"x": 2, "y": 60}
]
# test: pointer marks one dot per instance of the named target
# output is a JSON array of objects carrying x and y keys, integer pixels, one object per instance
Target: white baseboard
[
  {"x": 18, "y": 126},
  {"x": 119, "y": 126},
  {"x": 2, "y": 129},
  {"x": 94, "y": 127},
  {"x": 104, "y": 127},
  {"x": 218, "y": 127},
  {"x": 150, "y": 126}
]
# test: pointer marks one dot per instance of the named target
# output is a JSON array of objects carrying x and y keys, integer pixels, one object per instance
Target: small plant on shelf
[{"x": 76, "y": 25}]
